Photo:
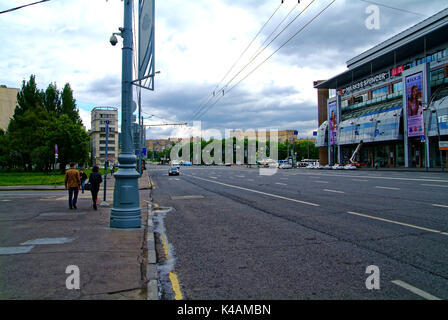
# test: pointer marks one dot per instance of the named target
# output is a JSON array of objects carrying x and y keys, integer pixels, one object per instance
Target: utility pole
[
  {"x": 126, "y": 212},
  {"x": 106, "y": 165}
]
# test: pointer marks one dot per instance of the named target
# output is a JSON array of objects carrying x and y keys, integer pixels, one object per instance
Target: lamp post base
[{"x": 126, "y": 211}]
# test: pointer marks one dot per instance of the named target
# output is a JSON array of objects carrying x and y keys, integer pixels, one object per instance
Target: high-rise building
[
  {"x": 99, "y": 117},
  {"x": 8, "y": 102}
]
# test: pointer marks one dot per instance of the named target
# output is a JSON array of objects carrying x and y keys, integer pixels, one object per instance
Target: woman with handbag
[{"x": 95, "y": 180}]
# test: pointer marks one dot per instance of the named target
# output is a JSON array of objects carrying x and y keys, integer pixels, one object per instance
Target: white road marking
[
  {"x": 360, "y": 180},
  {"x": 375, "y": 177},
  {"x": 213, "y": 177},
  {"x": 259, "y": 192},
  {"x": 321, "y": 182},
  {"x": 396, "y": 222},
  {"x": 15, "y": 250},
  {"x": 47, "y": 241},
  {"x": 281, "y": 184},
  {"x": 387, "y": 188},
  {"x": 334, "y": 191},
  {"x": 415, "y": 290},
  {"x": 434, "y": 185},
  {"x": 440, "y": 205}
]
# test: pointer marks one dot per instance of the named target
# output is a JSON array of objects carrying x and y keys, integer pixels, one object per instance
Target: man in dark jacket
[{"x": 95, "y": 180}]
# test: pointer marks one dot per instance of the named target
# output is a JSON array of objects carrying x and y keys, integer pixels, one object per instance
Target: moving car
[{"x": 173, "y": 171}]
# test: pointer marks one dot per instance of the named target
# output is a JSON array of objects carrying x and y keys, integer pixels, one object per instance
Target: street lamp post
[{"x": 126, "y": 212}]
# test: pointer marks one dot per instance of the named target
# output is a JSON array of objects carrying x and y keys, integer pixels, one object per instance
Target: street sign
[
  {"x": 314, "y": 133},
  {"x": 137, "y": 152},
  {"x": 443, "y": 145},
  {"x": 144, "y": 151},
  {"x": 422, "y": 138}
]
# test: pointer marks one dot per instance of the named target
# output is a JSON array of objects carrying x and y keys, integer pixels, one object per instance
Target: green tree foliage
[{"x": 41, "y": 120}]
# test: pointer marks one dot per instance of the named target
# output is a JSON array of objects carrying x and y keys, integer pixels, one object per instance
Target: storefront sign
[
  {"x": 365, "y": 83},
  {"x": 414, "y": 105},
  {"x": 443, "y": 145},
  {"x": 396, "y": 71}
]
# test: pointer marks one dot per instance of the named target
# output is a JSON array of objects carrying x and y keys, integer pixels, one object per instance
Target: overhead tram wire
[
  {"x": 275, "y": 38},
  {"x": 264, "y": 61},
  {"x": 276, "y": 28},
  {"x": 253, "y": 58},
  {"x": 239, "y": 58},
  {"x": 393, "y": 8},
  {"x": 247, "y": 48},
  {"x": 256, "y": 56},
  {"x": 26, "y": 5}
]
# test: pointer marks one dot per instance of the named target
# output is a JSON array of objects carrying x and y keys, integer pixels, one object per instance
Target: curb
[{"x": 151, "y": 270}]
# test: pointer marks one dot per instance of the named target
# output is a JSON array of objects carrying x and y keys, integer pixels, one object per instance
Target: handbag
[{"x": 88, "y": 186}]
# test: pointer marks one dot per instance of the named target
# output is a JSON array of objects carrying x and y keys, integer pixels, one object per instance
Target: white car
[{"x": 285, "y": 166}]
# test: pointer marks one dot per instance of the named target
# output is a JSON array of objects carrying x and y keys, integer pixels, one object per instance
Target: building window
[
  {"x": 361, "y": 98},
  {"x": 110, "y": 136},
  {"x": 104, "y": 141},
  {"x": 398, "y": 87},
  {"x": 108, "y": 149},
  {"x": 438, "y": 74},
  {"x": 344, "y": 103},
  {"x": 110, "y": 129},
  {"x": 380, "y": 92},
  {"x": 332, "y": 93}
]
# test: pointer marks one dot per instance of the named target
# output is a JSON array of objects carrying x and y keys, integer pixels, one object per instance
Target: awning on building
[
  {"x": 322, "y": 135},
  {"x": 380, "y": 125}
]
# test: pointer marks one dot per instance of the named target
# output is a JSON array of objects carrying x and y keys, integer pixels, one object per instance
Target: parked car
[
  {"x": 173, "y": 171},
  {"x": 285, "y": 166}
]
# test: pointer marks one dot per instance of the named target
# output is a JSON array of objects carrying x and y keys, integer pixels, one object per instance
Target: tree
[
  {"x": 69, "y": 104},
  {"x": 41, "y": 120}
]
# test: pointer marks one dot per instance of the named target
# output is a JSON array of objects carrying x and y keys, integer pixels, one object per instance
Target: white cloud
[{"x": 196, "y": 43}]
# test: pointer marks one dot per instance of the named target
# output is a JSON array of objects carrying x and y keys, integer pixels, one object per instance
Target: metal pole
[
  {"x": 438, "y": 135},
  {"x": 126, "y": 212},
  {"x": 427, "y": 140},
  {"x": 106, "y": 162}
]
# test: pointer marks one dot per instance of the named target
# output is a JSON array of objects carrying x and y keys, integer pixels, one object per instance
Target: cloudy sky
[{"x": 197, "y": 42}]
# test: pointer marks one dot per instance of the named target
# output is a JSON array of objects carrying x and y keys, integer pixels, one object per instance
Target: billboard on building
[
  {"x": 333, "y": 121},
  {"x": 414, "y": 104}
]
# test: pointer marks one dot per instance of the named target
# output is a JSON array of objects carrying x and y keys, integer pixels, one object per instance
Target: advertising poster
[
  {"x": 414, "y": 105},
  {"x": 333, "y": 120}
]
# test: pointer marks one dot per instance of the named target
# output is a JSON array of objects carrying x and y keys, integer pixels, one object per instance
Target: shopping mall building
[{"x": 392, "y": 102}]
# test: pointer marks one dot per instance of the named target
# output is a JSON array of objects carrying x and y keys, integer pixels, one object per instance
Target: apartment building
[{"x": 99, "y": 117}]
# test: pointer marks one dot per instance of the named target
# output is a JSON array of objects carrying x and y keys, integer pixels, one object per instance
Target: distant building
[
  {"x": 283, "y": 135},
  {"x": 160, "y": 145},
  {"x": 390, "y": 107},
  {"x": 8, "y": 102},
  {"x": 97, "y": 133}
]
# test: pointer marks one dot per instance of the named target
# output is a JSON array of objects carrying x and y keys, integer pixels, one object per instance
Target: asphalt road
[{"x": 302, "y": 234}]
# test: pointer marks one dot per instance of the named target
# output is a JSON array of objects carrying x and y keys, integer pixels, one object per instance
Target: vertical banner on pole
[{"x": 146, "y": 43}]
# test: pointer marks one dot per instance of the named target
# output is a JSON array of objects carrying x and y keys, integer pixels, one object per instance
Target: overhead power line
[
  {"x": 264, "y": 61},
  {"x": 250, "y": 62},
  {"x": 393, "y": 8},
  {"x": 237, "y": 60},
  {"x": 26, "y": 5}
]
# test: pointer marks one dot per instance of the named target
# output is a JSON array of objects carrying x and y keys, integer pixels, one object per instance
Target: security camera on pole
[{"x": 126, "y": 211}]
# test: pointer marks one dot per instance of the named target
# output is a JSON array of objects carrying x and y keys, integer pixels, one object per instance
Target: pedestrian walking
[
  {"x": 95, "y": 180},
  {"x": 83, "y": 179},
  {"x": 72, "y": 184}
]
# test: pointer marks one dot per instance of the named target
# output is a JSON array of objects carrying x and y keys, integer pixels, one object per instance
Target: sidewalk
[{"x": 40, "y": 238}]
